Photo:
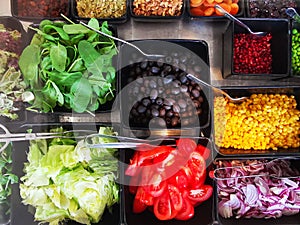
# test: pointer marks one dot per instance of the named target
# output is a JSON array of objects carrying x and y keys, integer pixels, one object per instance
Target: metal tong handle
[
  {"x": 124, "y": 142},
  {"x": 8, "y": 137},
  {"x": 255, "y": 175}
]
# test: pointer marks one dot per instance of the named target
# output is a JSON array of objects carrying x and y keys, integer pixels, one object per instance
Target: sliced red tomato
[
  {"x": 201, "y": 194},
  {"x": 162, "y": 207},
  {"x": 133, "y": 165},
  {"x": 157, "y": 185},
  {"x": 180, "y": 179},
  {"x": 133, "y": 184},
  {"x": 186, "y": 146},
  {"x": 204, "y": 151},
  {"x": 144, "y": 196},
  {"x": 176, "y": 198},
  {"x": 158, "y": 154},
  {"x": 138, "y": 206},
  {"x": 199, "y": 176},
  {"x": 197, "y": 166},
  {"x": 187, "y": 211}
]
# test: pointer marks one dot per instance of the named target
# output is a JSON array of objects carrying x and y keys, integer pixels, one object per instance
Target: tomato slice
[
  {"x": 204, "y": 152},
  {"x": 144, "y": 196},
  {"x": 186, "y": 146},
  {"x": 175, "y": 196},
  {"x": 197, "y": 166},
  {"x": 157, "y": 154},
  {"x": 133, "y": 165},
  {"x": 138, "y": 206},
  {"x": 157, "y": 185},
  {"x": 199, "y": 176},
  {"x": 180, "y": 179},
  {"x": 133, "y": 184},
  {"x": 187, "y": 211},
  {"x": 201, "y": 194},
  {"x": 162, "y": 207}
]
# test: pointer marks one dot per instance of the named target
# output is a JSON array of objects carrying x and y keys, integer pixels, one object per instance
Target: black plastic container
[
  {"x": 152, "y": 18},
  {"x": 258, "y": 8},
  {"x": 39, "y": 10},
  {"x": 112, "y": 20},
  {"x": 295, "y": 72},
  {"x": 203, "y": 213},
  {"x": 238, "y": 92},
  {"x": 240, "y": 13},
  {"x": 279, "y": 44},
  {"x": 12, "y": 23},
  {"x": 130, "y": 62},
  {"x": 283, "y": 220},
  {"x": 23, "y": 214}
]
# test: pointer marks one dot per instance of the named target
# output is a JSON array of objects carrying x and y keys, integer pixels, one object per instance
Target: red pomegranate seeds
[{"x": 252, "y": 54}]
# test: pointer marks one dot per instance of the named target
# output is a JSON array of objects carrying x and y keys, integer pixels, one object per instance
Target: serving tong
[
  {"x": 217, "y": 177},
  {"x": 87, "y": 135},
  {"x": 124, "y": 142}
]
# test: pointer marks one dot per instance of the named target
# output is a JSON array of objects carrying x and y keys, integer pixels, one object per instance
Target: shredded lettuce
[{"x": 70, "y": 181}]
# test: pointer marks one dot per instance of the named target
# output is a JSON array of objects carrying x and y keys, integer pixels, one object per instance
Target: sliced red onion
[
  {"x": 290, "y": 183},
  {"x": 277, "y": 190},
  {"x": 290, "y": 212},
  {"x": 234, "y": 202},
  {"x": 275, "y": 207},
  {"x": 262, "y": 185},
  {"x": 251, "y": 194},
  {"x": 225, "y": 209},
  {"x": 256, "y": 192}
]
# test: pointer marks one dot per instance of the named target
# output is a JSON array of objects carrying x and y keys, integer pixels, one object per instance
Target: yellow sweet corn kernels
[{"x": 263, "y": 122}]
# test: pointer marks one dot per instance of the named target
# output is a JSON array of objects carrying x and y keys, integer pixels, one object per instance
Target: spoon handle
[
  {"x": 229, "y": 16},
  {"x": 112, "y": 37},
  {"x": 291, "y": 12},
  {"x": 199, "y": 81}
]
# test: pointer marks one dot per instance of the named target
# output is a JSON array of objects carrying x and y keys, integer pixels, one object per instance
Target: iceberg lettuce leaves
[{"x": 65, "y": 181}]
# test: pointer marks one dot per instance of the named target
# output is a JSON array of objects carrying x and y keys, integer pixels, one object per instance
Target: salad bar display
[{"x": 97, "y": 130}]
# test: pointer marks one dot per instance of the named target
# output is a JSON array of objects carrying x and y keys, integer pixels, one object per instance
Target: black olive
[
  {"x": 155, "y": 70},
  {"x": 144, "y": 64},
  {"x": 141, "y": 109},
  {"x": 153, "y": 94}
]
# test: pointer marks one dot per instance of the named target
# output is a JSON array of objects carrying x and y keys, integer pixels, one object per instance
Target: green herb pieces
[
  {"x": 6, "y": 177},
  {"x": 69, "y": 65},
  {"x": 11, "y": 84},
  {"x": 66, "y": 180}
]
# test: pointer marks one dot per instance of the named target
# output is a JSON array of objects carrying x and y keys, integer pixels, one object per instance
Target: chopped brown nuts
[
  {"x": 101, "y": 8},
  {"x": 157, "y": 7}
]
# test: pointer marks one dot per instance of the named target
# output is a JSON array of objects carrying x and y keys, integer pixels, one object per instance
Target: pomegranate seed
[{"x": 251, "y": 54}]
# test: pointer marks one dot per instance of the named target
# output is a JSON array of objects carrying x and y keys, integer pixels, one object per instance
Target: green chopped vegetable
[
  {"x": 7, "y": 177},
  {"x": 69, "y": 65},
  {"x": 64, "y": 180},
  {"x": 11, "y": 82}
]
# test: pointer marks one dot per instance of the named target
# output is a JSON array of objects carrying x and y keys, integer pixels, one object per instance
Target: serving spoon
[
  {"x": 231, "y": 99},
  {"x": 291, "y": 12},
  {"x": 149, "y": 56},
  {"x": 229, "y": 16}
]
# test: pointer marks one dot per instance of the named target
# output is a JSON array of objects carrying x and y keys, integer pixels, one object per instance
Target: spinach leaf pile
[{"x": 69, "y": 65}]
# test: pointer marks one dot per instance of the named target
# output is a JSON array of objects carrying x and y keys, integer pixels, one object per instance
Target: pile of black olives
[{"x": 163, "y": 95}]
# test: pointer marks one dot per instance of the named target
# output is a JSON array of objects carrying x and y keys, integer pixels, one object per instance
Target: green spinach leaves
[{"x": 69, "y": 65}]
